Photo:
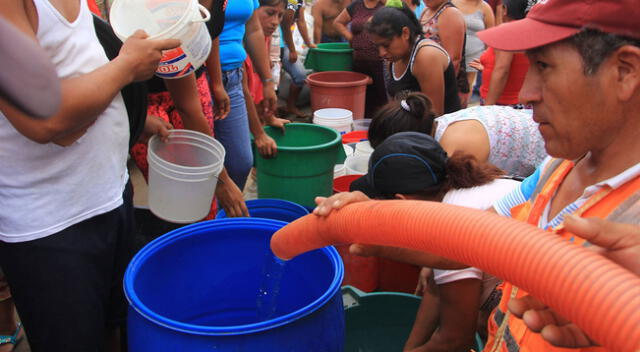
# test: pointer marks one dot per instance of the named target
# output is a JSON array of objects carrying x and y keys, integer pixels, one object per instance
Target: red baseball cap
[{"x": 553, "y": 20}]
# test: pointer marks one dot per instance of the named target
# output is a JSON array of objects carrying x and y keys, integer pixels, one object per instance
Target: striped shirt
[{"x": 523, "y": 193}]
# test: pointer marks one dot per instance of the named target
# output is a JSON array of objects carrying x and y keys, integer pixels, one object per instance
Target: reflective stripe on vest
[{"x": 620, "y": 205}]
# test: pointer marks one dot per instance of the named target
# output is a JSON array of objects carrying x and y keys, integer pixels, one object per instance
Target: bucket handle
[{"x": 202, "y": 10}]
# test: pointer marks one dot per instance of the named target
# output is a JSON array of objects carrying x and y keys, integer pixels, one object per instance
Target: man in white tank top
[{"x": 63, "y": 222}]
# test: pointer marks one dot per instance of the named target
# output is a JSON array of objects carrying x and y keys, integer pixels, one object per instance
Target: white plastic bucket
[
  {"x": 162, "y": 19},
  {"x": 341, "y": 169},
  {"x": 348, "y": 150},
  {"x": 183, "y": 175},
  {"x": 361, "y": 125},
  {"x": 338, "y": 119},
  {"x": 357, "y": 164},
  {"x": 363, "y": 148}
]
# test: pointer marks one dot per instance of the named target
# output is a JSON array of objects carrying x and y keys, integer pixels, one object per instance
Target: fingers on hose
[
  {"x": 363, "y": 250},
  {"x": 519, "y": 306},
  {"x": 606, "y": 234},
  {"x": 538, "y": 319},
  {"x": 569, "y": 335}
]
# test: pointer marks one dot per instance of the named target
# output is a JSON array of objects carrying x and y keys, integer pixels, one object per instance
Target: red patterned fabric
[{"x": 161, "y": 105}]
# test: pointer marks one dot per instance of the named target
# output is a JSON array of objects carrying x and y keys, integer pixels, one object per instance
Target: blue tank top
[{"x": 232, "y": 53}]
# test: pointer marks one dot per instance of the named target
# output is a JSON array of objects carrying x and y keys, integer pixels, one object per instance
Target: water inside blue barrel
[{"x": 269, "y": 289}]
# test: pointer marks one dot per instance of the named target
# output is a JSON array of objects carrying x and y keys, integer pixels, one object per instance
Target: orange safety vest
[{"x": 508, "y": 333}]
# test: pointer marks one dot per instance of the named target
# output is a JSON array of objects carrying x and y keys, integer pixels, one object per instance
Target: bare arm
[
  {"x": 86, "y": 96},
  {"x": 426, "y": 318},
  {"x": 489, "y": 18},
  {"x": 302, "y": 28},
  {"x": 428, "y": 70},
  {"x": 287, "y": 35},
  {"x": 316, "y": 12},
  {"x": 257, "y": 50},
  {"x": 459, "y": 303},
  {"x": 221, "y": 103},
  {"x": 469, "y": 137},
  {"x": 341, "y": 22},
  {"x": 266, "y": 145},
  {"x": 184, "y": 93},
  {"x": 499, "y": 77},
  {"x": 451, "y": 28}
]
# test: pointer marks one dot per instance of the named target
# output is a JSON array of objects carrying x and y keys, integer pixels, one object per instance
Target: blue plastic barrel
[
  {"x": 198, "y": 288},
  {"x": 276, "y": 209}
]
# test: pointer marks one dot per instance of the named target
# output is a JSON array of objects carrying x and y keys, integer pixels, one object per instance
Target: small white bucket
[
  {"x": 363, "y": 148},
  {"x": 183, "y": 175},
  {"x": 162, "y": 19},
  {"x": 357, "y": 165},
  {"x": 348, "y": 150},
  {"x": 338, "y": 119},
  {"x": 361, "y": 125},
  {"x": 339, "y": 170}
]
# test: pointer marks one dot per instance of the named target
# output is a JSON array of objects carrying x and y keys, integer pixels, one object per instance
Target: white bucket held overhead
[{"x": 163, "y": 19}]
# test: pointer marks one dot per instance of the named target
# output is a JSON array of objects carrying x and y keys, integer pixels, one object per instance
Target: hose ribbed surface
[{"x": 600, "y": 296}]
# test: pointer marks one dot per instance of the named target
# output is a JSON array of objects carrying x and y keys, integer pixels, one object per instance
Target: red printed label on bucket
[
  {"x": 172, "y": 56},
  {"x": 174, "y": 64}
]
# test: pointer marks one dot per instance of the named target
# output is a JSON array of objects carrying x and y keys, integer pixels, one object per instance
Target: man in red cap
[{"x": 584, "y": 86}]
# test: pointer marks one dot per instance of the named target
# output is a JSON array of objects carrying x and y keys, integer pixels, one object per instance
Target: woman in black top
[{"x": 416, "y": 64}]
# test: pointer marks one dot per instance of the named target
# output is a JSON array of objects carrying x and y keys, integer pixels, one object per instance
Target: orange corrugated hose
[{"x": 595, "y": 293}]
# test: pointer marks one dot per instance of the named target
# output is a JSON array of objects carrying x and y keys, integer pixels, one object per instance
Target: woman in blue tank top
[{"x": 241, "y": 31}]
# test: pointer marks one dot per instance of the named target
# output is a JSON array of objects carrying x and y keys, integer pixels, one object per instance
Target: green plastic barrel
[
  {"x": 330, "y": 57},
  {"x": 303, "y": 168},
  {"x": 380, "y": 321}
]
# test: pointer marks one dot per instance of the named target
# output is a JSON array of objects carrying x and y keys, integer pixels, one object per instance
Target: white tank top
[
  {"x": 45, "y": 188},
  {"x": 481, "y": 197}
]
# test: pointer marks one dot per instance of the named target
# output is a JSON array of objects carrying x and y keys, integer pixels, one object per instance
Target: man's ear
[{"x": 627, "y": 70}]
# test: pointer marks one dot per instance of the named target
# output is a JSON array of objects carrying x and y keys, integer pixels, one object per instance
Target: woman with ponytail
[
  {"x": 416, "y": 64},
  {"x": 412, "y": 165},
  {"x": 501, "y": 135}
]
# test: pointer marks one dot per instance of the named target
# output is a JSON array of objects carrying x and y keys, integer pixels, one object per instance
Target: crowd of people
[{"x": 552, "y": 144}]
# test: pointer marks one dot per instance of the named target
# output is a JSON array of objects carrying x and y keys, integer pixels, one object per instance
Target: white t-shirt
[
  {"x": 45, "y": 188},
  {"x": 481, "y": 197}
]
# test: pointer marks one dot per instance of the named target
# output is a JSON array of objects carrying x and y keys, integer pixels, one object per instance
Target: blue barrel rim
[
  {"x": 175, "y": 235},
  {"x": 264, "y": 203},
  {"x": 336, "y": 140}
]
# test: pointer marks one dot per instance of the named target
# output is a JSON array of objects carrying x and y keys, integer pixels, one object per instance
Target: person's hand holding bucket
[
  {"x": 155, "y": 125},
  {"x": 267, "y": 147},
  {"x": 278, "y": 123},
  {"x": 140, "y": 55}
]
